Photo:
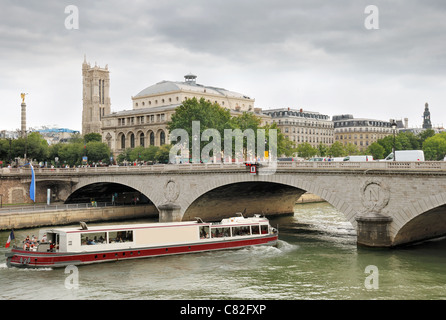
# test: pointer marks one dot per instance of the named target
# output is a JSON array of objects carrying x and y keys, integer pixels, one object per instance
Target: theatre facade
[{"x": 152, "y": 108}]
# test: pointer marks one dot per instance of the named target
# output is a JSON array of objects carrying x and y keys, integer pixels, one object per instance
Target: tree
[
  {"x": 90, "y": 137},
  {"x": 124, "y": 155},
  {"x": 351, "y": 149},
  {"x": 98, "y": 152},
  {"x": 284, "y": 145},
  {"x": 245, "y": 121},
  {"x": 414, "y": 141},
  {"x": 136, "y": 154},
  {"x": 4, "y": 150},
  {"x": 209, "y": 115},
  {"x": 305, "y": 150},
  {"x": 212, "y": 116},
  {"x": 322, "y": 149},
  {"x": 376, "y": 150},
  {"x": 149, "y": 153},
  {"x": 34, "y": 145},
  {"x": 423, "y": 135},
  {"x": 71, "y": 153},
  {"x": 37, "y": 147},
  {"x": 162, "y": 155},
  {"x": 435, "y": 147},
  {"x": 337, "y": 150}
]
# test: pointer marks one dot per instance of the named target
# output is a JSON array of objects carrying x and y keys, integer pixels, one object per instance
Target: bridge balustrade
[{"x": 287, "y": 165}]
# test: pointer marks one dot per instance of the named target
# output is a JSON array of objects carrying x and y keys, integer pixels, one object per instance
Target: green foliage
[
  {"x": 305, "y": 150},
  {"x": 90, "y": 137},
  {"x": 34, "y": 146},
  {"x": 4, "y": 150},
  {"x": 376, "y": 150},
  {"x": 434, "y": 147},
  {"x": 322, "y": 149},
  {"x": 432, "y": 144},
  {"x": 70, "y": 153},
  {"x": 212, "y": 116},
  {"x": 162, "y": 155},
  {"x": 149, "y": 154},
  {"x": 351, "y": 149},
  {"x": 336, "y": 150},
  {"x": 97, "y": 151}
]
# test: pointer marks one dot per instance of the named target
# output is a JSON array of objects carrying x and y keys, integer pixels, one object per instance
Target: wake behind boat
[{"x": 85, "y": 245}]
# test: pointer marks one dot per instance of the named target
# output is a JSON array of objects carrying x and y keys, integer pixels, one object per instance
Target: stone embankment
[{"x": 35, "y": 219}]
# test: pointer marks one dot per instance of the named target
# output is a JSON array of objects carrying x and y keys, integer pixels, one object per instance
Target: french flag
[{"x": 11, "y": 237}]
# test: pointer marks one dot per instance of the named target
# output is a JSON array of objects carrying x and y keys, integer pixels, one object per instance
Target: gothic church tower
[
  {"x": 427, "y": 124},
  {"x": 96, "y": 97}
]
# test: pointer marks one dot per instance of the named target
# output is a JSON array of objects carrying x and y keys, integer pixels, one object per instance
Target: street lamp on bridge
[{"x": 393, "y": 125}]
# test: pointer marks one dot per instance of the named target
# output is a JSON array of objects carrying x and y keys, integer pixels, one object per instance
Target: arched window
[
  {"x": 141, "y": 140},
  {"x": 123, "y": 142},
  {"x": 152, "y": 139},
  {"x": 132, "y": 140},
  {"x": 162, "y": 138}
]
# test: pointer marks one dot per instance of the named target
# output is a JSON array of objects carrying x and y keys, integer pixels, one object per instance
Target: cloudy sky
[{"x": 311, "y": 54}]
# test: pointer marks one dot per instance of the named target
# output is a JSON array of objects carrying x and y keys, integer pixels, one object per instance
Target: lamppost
[{"x": 393, "y": 125}]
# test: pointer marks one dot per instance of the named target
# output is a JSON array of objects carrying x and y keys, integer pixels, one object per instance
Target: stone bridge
[{"x": 389, "y": 203}]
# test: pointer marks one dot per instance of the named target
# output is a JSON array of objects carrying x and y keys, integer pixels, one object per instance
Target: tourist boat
[{"x": 86, "y": 245}]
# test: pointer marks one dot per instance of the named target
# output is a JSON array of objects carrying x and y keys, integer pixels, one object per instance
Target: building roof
[
  {"x": 291, "y": 113},
  {"x": 187, "y": 86},
  {"x": 131, "y": 112}
]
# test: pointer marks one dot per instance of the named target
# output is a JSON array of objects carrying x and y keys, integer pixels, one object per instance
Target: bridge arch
[
  {"x": 102, "y": 189},
  {"x": 420, "y": 220},
  {"x": 291, "y": 187}
]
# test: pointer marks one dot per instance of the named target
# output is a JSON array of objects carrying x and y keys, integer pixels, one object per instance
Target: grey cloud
[{"x": 289, "y": 43}]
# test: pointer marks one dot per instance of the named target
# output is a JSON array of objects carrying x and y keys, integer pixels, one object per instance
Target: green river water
[{"x": 316, "y": 259}]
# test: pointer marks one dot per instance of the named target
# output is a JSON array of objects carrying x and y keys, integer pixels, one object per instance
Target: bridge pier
[
  {"x": 169, "y": 212},
  {"x": 374, "y": 231}
]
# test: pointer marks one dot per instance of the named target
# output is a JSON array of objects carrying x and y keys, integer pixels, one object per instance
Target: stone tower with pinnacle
[
  {"x": 427, "y": 124},
  {"x": 95, "y": 97}
]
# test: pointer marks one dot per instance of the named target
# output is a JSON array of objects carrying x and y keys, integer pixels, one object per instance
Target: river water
[{"x": 317, "y": 258}]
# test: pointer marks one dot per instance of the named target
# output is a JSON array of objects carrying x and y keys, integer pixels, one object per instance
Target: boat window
[
  {"x": 264, "y": 228},
  {"x": 93, "y": 238},
  {"x": 255, "y": 229},
  {"x": 220, "y": 232},
  {"x": 204, "y": 232},
  {"x": 120, "y": 236},
  {"x": 241, "y": 231}
]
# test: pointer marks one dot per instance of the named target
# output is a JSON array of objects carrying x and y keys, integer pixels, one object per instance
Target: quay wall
[
  {"x": 309, "y": 198},
  {"x": 21, "y": 220}
]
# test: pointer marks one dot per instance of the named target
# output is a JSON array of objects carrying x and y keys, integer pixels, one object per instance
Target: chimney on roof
[{"x": 190, "y": 78}]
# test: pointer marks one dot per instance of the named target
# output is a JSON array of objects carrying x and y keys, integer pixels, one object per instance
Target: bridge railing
[{"x": 284, "y": 165}]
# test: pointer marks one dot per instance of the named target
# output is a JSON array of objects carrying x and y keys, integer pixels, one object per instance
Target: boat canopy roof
[{"x": 84, "y": 228}]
